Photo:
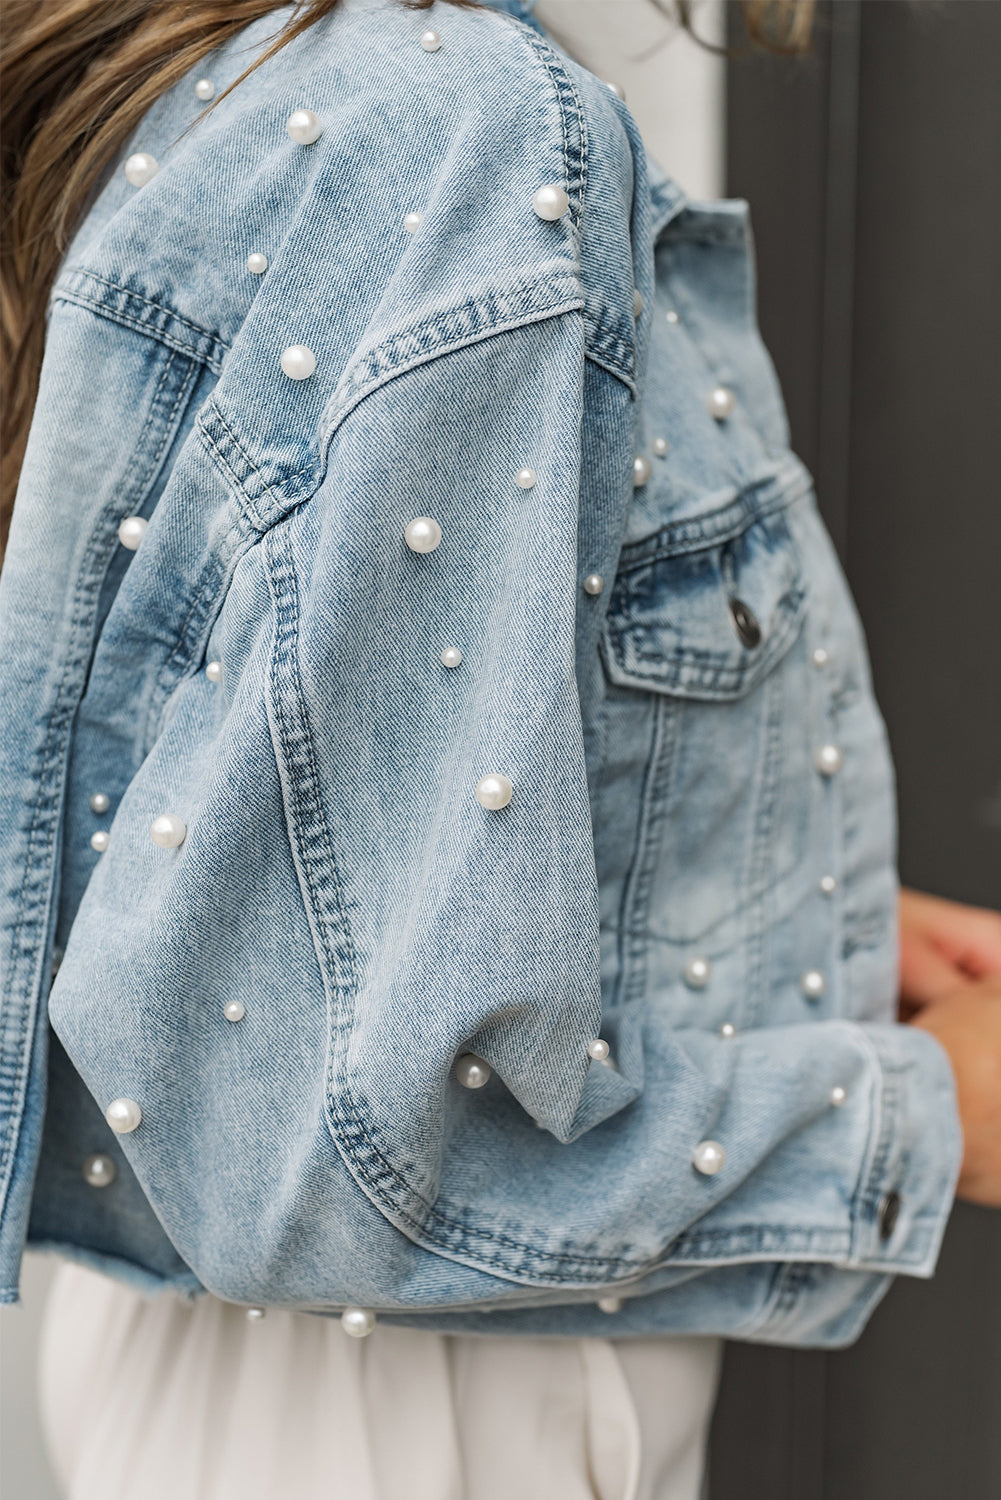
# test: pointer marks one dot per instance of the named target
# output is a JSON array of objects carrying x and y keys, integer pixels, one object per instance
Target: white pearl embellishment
[
  {"x": 820, "y": 657},
  {"x": 697, "y": 973},
  {"x": 672, "y": 316},
  {"x": 422, "y": 534},
  {"x": 642, "y": 469},
  {"x": 598, "y": 1050},
  {"x": 413, "y": 221},
  {"x": 472, "y": 1072},
  {"x": 214, "y": 671},
  {"x": 828, "y": 885},
  {"x": 205, "y": 89},
  {"x": 637, "y": 303},
  {"x": 257, "y": 263},
  {"x": 255, "y": 1314},
  {"x": 661, "y": 447},
  {"x": 123, "y": 1115},
  {"x": 838, "y": 1096},
  {"x": 451, "y": 656},
  {"x": 99, "y": 1170},
  {"x": 550, "y": 202},
  {"x": 357, "y": 1322},
  {"x": 727, "y": 1031},
  {"x": 234, "y": 1010},
  {"x": 298, "y": 362},
  {"x": 304, "y": 127},
  {"x": 813, "y": 984},
  {"x": 828, "y": 760},
  {"x": 100, "y": 802},
  {"x": 525, "y": 478},
  {"x": 708, "y": 1157},
  {"x": 721, "y": 403},
  {"x": 609, "y": 1304},
  {"x": 494, "y": 792},
  {"x": 131, "y": 532},
  {"x": 100, "y": 841},
  {"x": 430, "y": 41},
  {"x": 141, "y": 168},
  {"x": 616, "y": 89},
  {"x": 593, "y": 584},
  {"x": 168, "y": 831}
]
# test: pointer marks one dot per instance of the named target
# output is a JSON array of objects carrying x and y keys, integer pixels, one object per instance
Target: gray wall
[{"x": 873, "y": 173}]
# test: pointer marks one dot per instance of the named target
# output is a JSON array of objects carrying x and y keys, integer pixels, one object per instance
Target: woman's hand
[
  {"x": 943, "y": 944},
  {"x": 967, "y": 1023}
]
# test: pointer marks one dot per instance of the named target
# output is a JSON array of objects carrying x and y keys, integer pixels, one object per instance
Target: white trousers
[{"x": 158, "y": 1399}]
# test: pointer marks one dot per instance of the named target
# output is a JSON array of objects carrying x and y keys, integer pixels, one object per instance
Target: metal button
[
  {"x": 889, "y": 1213},
  {"x": 747, "y": 626}
]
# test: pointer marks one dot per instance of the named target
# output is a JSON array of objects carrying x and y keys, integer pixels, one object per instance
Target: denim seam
[
  {"x": 762, "y": 844},
  {"x": 64, "y": 291},
  {"x": 50, "y": 757},
  {"x": 248, "y": 505}
]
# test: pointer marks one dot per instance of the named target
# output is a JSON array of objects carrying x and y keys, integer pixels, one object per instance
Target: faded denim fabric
[{"x": 338, "y": 876}]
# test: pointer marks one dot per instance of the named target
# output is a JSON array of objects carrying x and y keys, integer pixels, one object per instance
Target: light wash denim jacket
[{"x": 287, "y": 719}]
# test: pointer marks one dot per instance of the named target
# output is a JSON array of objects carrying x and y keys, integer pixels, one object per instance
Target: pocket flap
[{"x": 704, "y": 608}]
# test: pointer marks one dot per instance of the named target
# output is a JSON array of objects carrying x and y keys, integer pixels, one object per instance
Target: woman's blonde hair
[{"x": 77, "y": 76}]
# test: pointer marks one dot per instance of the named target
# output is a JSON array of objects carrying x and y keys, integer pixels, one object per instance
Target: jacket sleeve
[{"x": 448, "y": 927}]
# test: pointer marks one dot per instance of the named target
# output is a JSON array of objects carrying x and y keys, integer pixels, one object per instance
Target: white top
[{"x": 171, "y": 1401}]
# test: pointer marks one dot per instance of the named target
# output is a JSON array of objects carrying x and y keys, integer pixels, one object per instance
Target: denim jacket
[{"x": 437, "y": 738}]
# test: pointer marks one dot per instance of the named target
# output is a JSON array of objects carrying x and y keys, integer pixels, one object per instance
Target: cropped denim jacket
[{"x": 439, "y": 761}]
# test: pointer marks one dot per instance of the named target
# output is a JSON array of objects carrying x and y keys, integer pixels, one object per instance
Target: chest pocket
[{"x": 703, "y": 617}]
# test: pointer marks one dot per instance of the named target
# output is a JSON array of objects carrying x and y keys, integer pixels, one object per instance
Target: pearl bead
[
  {"x": 593, "y": 584},
  {"x": 205, "y": 89},
  {"x": 430, "y": 41},
  {"x": 123, "y": 1115},
  {"x": 413, "y": 221},
  {"x": 838, "y": 1096},
  {"x": 828, "y": 760},
  {"x": 617, "y": 90},
  {"x": 697, "y": 973},
  {"x": 422, "y": 534},
  {"x": 357, "y": 1322},
  {"x": 813, "y": 984},
  {"x": 721, "y": 403},
  {"x": 642, "y": 469},
  {"x": 298, "y": 362},
  {"x": 672, "y": 316},
  {"x": 99, "y": 1170},
  {"x": 637, "y": 303},
  {"x": 494, "y": 792},
  {"x": 304, "y": 127},
  {"x": 525, "y": 478},
  {"x": 100, "y": 802},
  {"x": 661, "y": 447},
  {"x": 141, "y": 168},
  {"x": 708, "y": 1157},
  {"x": 727, "y": 1031},
  {"x": 828, "y": 885},
  {"x": 131, "y": 531},
  {"x": 100, "y": 841},
  {"x": 451, "y": 656},
  {"x": 214, "y": 671},
  {"x": 168, "y": 831},
  {"x": 820, "y": 657},
  {"x": 598, "y": 1050},
  {"x": 257, "y": 263},
  {"x": 472, "y": 1072},
  {"x": 609, "y": 1304},
  {"x": 234, "y": 1010},
  {"x": 550, "y": 202},
  {"x": 255, "y": 1314}
]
